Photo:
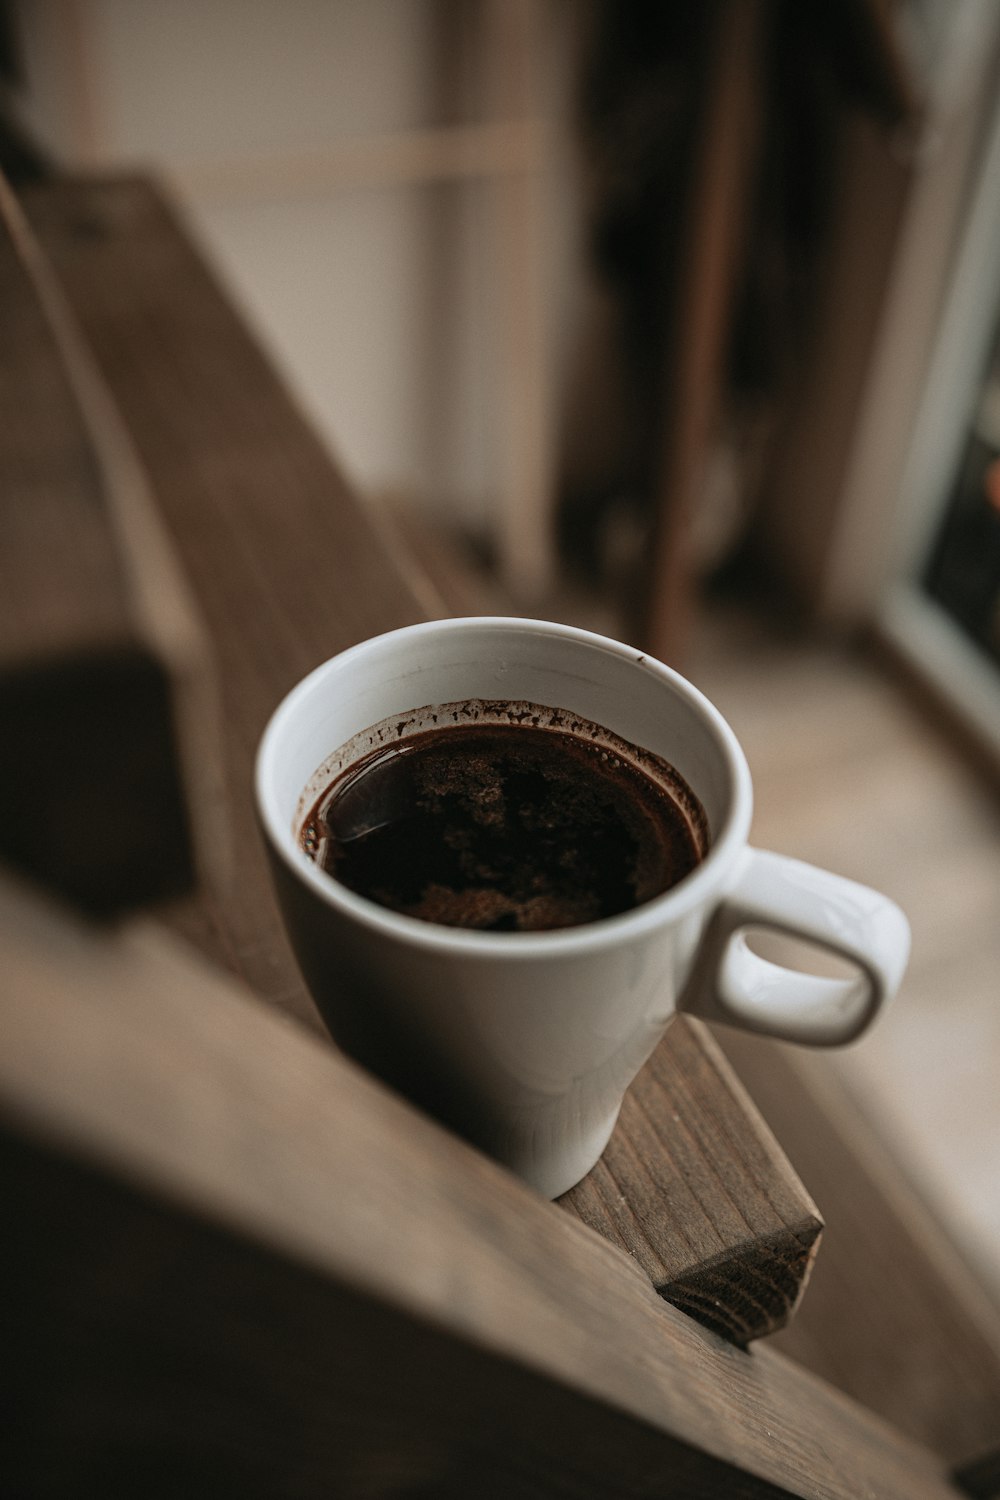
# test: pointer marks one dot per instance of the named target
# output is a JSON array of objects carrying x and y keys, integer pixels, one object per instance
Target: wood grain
[
  {"x": 206, "y": 1206},
  {"x": 713, "y": 1213},
  {"x": 102, "y": 674},
  {"x": 287, "y": 569}
]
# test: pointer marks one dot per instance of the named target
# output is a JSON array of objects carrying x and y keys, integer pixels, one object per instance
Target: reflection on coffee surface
[{"x": 507, "y": 818}]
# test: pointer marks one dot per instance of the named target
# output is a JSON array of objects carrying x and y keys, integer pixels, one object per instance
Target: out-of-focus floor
[{"x": 852, "y": 773}]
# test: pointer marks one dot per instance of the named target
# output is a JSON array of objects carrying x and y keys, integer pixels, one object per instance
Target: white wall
[
  {"x": 383, "y": 304},
  {"x": 186, "y": 78}
]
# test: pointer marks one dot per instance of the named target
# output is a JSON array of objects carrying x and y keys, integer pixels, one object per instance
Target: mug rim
[{"x": 670, "y": 905}]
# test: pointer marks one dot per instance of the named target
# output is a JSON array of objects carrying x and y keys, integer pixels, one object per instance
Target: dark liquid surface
[{"x": 506, "y": 828}]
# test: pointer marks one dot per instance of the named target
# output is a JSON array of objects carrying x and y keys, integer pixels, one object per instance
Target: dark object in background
[
  {"x": 21, "y": 161},
  {"x": 512, "y": 826},
  {"x": 645, "y": 107},
  {"x": 963, "y": 573}
]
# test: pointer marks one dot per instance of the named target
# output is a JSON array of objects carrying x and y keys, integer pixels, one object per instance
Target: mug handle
[{"x": 732, "y": 984}]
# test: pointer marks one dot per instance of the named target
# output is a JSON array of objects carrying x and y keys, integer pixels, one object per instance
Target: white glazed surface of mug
[{"x": 526, "y": 1042}]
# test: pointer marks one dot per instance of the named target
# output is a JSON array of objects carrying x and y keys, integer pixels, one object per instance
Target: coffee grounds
[{"x": 504, "y": 827}]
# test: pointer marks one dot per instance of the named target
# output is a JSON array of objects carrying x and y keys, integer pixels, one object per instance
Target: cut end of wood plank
[
  {"x": 737, "y": 1294},
  {"x": 696, "y": 1189}
]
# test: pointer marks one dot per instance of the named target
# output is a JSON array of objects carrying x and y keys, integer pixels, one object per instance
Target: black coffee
[{"x": 508, "y": 827}]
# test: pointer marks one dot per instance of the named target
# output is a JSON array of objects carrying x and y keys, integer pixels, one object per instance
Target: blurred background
[{"x": 675, "y": 321}]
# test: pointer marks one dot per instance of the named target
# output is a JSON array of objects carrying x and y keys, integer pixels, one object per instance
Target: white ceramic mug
[{"x": 526, "y": 1042}]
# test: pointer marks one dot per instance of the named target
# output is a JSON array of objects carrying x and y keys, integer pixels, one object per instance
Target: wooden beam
[
  {"x": 105, "y": 700},
  {"x": 287, "y": 569},
  {"x": 238, "y": 1263},
  {"x": 716, "y": 219},
  {"x": 449, "y": 153},
  {"x": 512, "y": 48}
]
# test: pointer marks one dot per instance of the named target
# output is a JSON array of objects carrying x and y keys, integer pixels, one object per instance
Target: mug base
[{"x": 558, "y": 1171}]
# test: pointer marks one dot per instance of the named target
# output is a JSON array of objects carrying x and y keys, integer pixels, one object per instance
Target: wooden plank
[
  {"x": 716, "y": 226},
  {"x": 428, "y": 154},
  {"x": 288, "y": 569},
  {"x": 713, "y": 1214},
  {"x": 512, "y": 45},
  {"x": 207, "y": 1207},
  {"x": 102, "y": 674},
  {"x": 893, "y": 1317}
]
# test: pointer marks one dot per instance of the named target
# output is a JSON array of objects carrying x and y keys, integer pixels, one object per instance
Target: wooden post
[
  {"x": 715, "y": 225},
  {"x": 106, "y": 707}
]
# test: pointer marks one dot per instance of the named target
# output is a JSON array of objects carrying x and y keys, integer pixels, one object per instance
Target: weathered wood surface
[
  {"x": 716, "y": 221},
  {"x": 680, "y": 1184},
  {"x": 102, "y": 672},
  {"x": 893, "y": 1317},
  {"x": 288, "y": 569},
  {"x": 285, "y": 566},
  {"x": 204, "y": 1290}
]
